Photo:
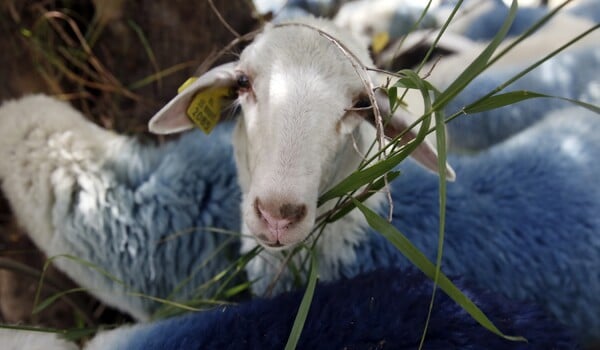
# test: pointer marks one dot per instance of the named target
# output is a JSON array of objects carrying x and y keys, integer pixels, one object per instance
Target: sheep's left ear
[
  {"x": 173, "y": 117},
  {"x": 425, "y": 153}
]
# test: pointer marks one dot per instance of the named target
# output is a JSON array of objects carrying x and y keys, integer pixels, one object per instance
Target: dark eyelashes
[
  {"x": 243, "y": 82},
  {"x": 362, "y": 103}
]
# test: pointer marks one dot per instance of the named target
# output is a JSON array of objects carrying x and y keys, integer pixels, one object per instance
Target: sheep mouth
[
  {"x": 274, "y": 245},
  {"x": 265, "y": 242}
]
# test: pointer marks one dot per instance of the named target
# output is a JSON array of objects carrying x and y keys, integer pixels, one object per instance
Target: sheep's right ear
[
  {"x": 173, "y": 117},
  {"x": 399, "y": 122}
]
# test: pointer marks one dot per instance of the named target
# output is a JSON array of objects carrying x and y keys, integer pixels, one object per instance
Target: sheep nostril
[
  {"x": 282, "y": 216},
  {"x": 258, "y": 210},
  {"x": 292, "y": 212}
]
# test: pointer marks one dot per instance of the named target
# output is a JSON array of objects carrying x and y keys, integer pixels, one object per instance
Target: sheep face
[
  {"x": 295, "y": 137},
  {"x": 295, "y": 125}
]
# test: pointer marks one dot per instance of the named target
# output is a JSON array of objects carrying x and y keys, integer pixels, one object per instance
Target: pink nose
[{"x": 279, "y": 218}]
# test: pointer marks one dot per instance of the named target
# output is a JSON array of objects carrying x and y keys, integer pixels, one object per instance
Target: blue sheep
[
  {"x": 481, "y": 20},
  {"x": 528, "y": 194},
  {"x": 127, "y": 208},
  {"x": 571, "y": 74},
  {"x": 385, "y": 309}
]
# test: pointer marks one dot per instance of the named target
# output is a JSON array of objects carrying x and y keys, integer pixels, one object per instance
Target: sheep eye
[
  {"x": 362, "y": 103},
  {"x": 243, "y": 82}
]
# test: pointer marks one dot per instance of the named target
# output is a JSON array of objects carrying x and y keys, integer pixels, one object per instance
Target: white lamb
[
  {"x": 295, "y": 137},
  {"x": 59, "y": 151},
  {"x": 12, "y": 339}
]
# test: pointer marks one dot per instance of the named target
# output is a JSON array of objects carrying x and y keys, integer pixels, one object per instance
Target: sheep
[
  {"x": 86, "y": 192},
  {"x": 470, "y": 221},
  {"x": 304, "y": 94},
  {"x": 389, "y": 317},
  {"x": 525, "y": 207},
  {"x": 281, "y": 176},
  {"x": 13, "y": 339},
  {"x": 113, "y": 160},
  {"x": 586, "y": 8},
  {"x": 367, "y": 19},
  {"x": 481, "y": 20},
  {"x": 289, "y": 9},
  {"x": 570, "y": 74},
  {"x": 530, "y": 193}
]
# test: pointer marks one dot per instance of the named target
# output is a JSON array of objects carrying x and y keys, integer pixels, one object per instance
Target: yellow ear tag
[
  {"x": 379, "y": 42},
  {"x": 205, "y": 108},
  {"x": 186, "y": 83}
]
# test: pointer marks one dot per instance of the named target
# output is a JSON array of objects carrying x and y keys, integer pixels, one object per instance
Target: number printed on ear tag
[{"x": 205, "y": 108}]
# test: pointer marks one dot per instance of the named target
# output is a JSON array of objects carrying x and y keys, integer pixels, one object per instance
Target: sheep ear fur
[
  {"x": 425, "y": 153},
  {"x": 172, "y": 117}
]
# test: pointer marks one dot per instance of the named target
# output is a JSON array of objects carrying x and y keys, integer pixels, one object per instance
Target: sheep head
[{"x": 294, "y": 138}]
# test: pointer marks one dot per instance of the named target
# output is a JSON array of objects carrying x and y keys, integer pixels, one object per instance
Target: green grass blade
[
  {"x": 537, "y": 25},
  {"x": 480, "y": 103},
  {"x": 365, "y": 176},
  {"x": 235, "y": 290},
  {"x": 479, "y": 64},
  {"x": 441, "y": 148},
  {"x": 218, "y": 250},
  {"x": 439, "y": 36},
  {"x": 179, "y": 305},
  {"x": 416, "y": 25},
  {"x": 145, "y": 44},
  {"x": 513, "y": 97},
  {"x": 392, "y": 97},
  {"x": 498, "y": 101},
  {"x": 348, "y": 206},
  {"x": 414, "y": 255},
  {"x": 50, "y": 300},
  {"x": 86, "y": 263},
  {"x": 304, "y": 305},
  {"x": 83, "y": 262},
  {"x": 413, "y": 81}
]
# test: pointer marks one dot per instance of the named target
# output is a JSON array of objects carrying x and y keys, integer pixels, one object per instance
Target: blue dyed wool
[
  {"x": 385, "y": 309},
  {"x": 522, "y": 218},
  {"x": 488, "y": 24},
  {"x": 151, "y": 225},
  {"x": 572, "y": 74},
  {"x": 140, "y": 213},
  {"x": 159, "y": 204},
  {"x": 589, "y": 9}
]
